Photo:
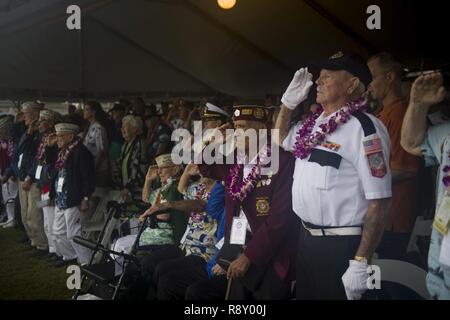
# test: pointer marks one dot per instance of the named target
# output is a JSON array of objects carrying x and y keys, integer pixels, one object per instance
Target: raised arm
[
  {"x": 296, "y": 93},
  {"x": 283, "y": 123},
  {"x": 426, "y": 91},
  {"x": 190, "y": 170},
  {"x": 151, "y": 176}
]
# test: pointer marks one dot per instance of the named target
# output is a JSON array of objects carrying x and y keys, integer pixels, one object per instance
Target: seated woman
[
  {"x": 169, "y": 226},
  {"x": 170, "y": 275}
]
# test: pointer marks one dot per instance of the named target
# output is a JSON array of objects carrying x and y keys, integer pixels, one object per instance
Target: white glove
[
  {"x": 298, "y": 90},
  {"x": 355, "y": 280}
]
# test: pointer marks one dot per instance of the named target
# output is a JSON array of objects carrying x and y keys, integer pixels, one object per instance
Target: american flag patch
[{"x": 372, "y": 146}]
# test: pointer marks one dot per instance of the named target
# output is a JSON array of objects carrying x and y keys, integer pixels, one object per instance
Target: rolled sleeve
[{"x": 288, "y": 143}]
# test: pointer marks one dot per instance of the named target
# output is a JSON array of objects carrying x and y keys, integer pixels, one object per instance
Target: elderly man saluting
[{"x": 342, "y": 179}]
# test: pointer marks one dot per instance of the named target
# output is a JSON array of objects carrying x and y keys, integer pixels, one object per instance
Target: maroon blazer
[{"x": 268, "y": 209}]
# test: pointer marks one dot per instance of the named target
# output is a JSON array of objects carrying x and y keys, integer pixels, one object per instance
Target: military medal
[
  {"x": 262, "y": 206},
  {"x": 306, "y": 140}
]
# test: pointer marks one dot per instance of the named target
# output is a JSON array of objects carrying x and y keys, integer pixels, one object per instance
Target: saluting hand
[
  {"x": 428, "y": 89},
  {"x": 298, "y": 90},
  {"x": 192, "y": 169},
  {"x": 238, "y": 268},
  {"x": 152, "y": 173},
  {"x": 219, "y": 134}
]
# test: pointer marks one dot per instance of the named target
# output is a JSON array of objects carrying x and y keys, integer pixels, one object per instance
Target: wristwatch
[{"x": 361, "y": 259}]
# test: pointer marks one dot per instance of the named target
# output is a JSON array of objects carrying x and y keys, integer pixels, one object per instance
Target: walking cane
[{"x": 227, "y": 294}]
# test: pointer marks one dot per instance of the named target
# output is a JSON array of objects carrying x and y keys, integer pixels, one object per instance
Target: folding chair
[
  {"x": 101, "y": 268},
  {"x": 403, "y": 273},
  {"x": 422, "y": 228}
]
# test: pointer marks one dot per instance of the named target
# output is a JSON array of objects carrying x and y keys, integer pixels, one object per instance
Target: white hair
[
  {"x": 135, "y": 122},
  {"x": 360, "y": 89}
]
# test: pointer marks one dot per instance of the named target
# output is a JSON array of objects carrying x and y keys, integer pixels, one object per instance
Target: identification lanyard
[{"x": 38, "y": 172}]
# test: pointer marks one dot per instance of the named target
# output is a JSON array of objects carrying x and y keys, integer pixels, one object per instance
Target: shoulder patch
[{"x": 374, "y": 153}]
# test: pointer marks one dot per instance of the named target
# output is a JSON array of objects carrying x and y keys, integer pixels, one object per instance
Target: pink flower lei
[
  {"x": 65, "y": 153},
  {"x": 201, "y": 195},
  {"x": 9, "y": 147},
  {"x": 42, "y": 145},
  {"x": 240, "y": 189},
  {"x": 306, "y": 141}
]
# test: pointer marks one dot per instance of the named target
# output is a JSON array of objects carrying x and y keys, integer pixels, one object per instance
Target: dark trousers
[
  {"x": 321, "y": 263},
  {"x": 17, "y": 215},
  {"x": 260, "y": 284},
  {"x": 209, "y": 289},
  {"x": 393, "y": 246},
  {"x": 150, "y": 262},
  {"x": 138, "y": 278},
  {"x": 175, "y": 276},
  {"x": 254, "y": 286}
]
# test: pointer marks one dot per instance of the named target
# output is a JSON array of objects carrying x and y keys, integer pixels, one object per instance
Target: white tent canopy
[{"x": 162, "y": 48}]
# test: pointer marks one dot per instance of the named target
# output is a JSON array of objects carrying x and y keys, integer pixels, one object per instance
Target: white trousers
[
  {"x": 49, "y": 217},
  {"x": 65, "y": 227},
  {"x": 125, "y": 245},
  {"x": 9, "y": 191}
]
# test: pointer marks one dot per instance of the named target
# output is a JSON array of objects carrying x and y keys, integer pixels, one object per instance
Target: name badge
[
  {"x": 38, "y": 172},
  {"x": 20, "y": 160},
  {"x": 219, "y": 244},
  {"x": 238, "y": 231},
  {"x": 183, "y": 238},
  {"x": 60, "y": 185},
  {"x": 442, "y": 219}
]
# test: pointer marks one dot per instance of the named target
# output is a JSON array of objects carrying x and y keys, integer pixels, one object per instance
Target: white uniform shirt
[{"x": 336, "y": 192}]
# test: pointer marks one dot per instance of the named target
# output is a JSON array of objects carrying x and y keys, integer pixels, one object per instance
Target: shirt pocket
[
  {"x": 318, "y": 176},
  {"x": 324, "y": 169}
]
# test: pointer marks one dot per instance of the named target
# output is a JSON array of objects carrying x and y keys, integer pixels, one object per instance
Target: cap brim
[{"x": 315, "y": 68}]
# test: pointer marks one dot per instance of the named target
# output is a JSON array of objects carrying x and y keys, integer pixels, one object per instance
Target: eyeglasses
[{"x": 61, "y": 135}]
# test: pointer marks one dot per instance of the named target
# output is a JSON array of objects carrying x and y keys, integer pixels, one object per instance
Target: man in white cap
[
  {"x": 74, "y": 183},
  {"x": 45, "y": 172},
  {"x": 342, "y": 179},
  {"x": 29, "y": 194},
  {"x": 213, "y": 117},
  {"x": 10, "y": 186}
]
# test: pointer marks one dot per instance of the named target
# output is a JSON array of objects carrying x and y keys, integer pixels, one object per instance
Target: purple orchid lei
[
  {"x": 240, "y": 189},
  {"x": 446, "y": 179},
  {"x": 65, "y": 153},
  {"x": 306, "y": 141}
]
